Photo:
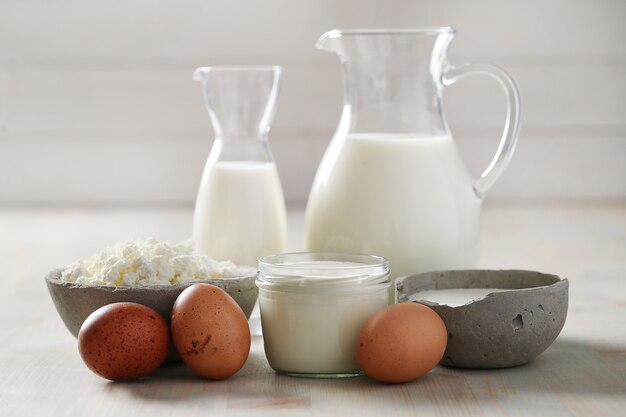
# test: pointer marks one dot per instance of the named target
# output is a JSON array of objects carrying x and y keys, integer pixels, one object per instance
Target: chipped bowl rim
[{"x": 555, "y": 282}]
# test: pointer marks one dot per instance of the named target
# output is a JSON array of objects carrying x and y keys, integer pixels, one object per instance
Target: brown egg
[
  {"x": 124, "y": 341},
  {"x": 401, "y": 342},
  {"x": 210, "y": 331}
]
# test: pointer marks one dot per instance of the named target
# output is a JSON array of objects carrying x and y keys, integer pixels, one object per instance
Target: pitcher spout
[
  {"x": 395, "y": 73},
  {"x": 329, "y": 40}
]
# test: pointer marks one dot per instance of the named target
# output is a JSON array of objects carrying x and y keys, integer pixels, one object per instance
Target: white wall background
[{"x": 97, "y": 102}]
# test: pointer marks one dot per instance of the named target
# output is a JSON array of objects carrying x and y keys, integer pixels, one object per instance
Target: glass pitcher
[
  {"x": 240, "y": 208},
  {"x": 391, "y": 182}
]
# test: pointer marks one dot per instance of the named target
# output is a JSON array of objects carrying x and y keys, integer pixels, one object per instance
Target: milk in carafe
[{"x": 240, "y": 212}]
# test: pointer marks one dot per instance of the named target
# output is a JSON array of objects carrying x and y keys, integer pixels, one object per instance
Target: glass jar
[{"x": 313, "y": 306}]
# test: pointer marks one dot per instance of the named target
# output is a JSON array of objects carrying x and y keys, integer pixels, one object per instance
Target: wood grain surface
[{"x": 582, "y": 374}]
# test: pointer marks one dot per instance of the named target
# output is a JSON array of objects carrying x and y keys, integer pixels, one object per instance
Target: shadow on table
[
  {"x": 568, "y": 366},
  {"x": 176, "y": 382}
]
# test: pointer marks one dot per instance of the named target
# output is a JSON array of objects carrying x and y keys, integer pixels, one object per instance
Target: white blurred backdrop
[{"x": 97, "y": 104}]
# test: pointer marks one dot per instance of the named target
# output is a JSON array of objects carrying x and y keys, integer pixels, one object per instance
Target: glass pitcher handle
[{"x": 511, "y": 127}]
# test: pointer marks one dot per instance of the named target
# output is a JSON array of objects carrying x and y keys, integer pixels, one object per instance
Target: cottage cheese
[{"x": 149, "y": 262}]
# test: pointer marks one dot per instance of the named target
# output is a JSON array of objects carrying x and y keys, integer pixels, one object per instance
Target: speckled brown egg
[
  {"x": 124, "y": 341},
  {"x": 401, "y": 343},
  {"x": 210, "y": 331}
]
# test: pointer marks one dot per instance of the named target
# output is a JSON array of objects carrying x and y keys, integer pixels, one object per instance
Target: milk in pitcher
[{"x": 404, "y": 197}]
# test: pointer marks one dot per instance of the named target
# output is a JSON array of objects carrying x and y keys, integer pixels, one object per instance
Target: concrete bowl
[
  {"x": 503, "y": 329},
  {"x": 75, "y": 302}
]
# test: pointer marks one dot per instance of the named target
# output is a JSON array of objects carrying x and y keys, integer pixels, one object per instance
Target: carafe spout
[
  {"x": 240, "y": 100},
  {"x": 200, "y": 73},
  {"x": 326, "y": 41}
]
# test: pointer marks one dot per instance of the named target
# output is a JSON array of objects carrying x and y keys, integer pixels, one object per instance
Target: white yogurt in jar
[{"x": 313, "y": 306}]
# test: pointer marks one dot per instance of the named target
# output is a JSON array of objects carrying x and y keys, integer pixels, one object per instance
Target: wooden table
[{"x": 582, "y": 374}]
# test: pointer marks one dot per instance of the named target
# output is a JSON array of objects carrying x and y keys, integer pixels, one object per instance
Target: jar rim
[
  {"x": 310, "y": 270},
  {"x": 281, "y": 260}
]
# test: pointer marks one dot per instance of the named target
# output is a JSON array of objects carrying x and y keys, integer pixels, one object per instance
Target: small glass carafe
[{"x": 240, "y": 208}]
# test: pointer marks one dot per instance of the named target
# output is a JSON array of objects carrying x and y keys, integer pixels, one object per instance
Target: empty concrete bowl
[
  {"x": 503, "y": 329},
  {"x": 76, "y": 302}
]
